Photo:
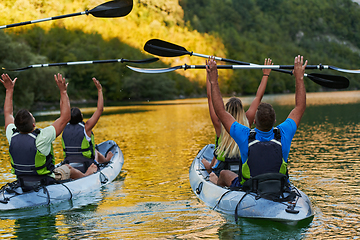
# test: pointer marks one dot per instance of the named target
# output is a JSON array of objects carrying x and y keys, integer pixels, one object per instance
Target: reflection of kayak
[
  {"x": 242, "y": 204},
  {"x": 12, "y": 197}
]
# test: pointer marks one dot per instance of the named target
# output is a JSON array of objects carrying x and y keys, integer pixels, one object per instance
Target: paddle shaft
[
  {"x": 116, "y": 8},
  {"x": 166, "y": 49},
  {"x": 254, "y": 66},
  {"x": 162, "y": 48},
  {"x": 44, "y": 19},
  {"x": 330, "y": 81},
  {"x": 121, "y": 60},
  {"x": 278, "y": 68}
]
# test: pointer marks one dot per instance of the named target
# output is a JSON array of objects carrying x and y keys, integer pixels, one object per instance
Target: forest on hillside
[
  {"x": 326, "y": 32},
  {"x": 246, "y": 30}
]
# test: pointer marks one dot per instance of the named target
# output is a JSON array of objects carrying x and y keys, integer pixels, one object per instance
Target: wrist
[
  {"x": 266, "y": 75},
  {"x": 214, "y": 83}
]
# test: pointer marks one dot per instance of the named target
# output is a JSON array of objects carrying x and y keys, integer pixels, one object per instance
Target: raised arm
[
  {"x": 300, "y": 92},
  {"x": 250, "y": 113},
  {"x": 65, "y": 114},
  {"x": 226, "y": 119},
  {"x": 214, "y": 119},
  {"x": 8, "y": 105},
  {"x": 90, "y": 124}
]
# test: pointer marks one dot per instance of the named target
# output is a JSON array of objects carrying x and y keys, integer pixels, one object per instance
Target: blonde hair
[{"x": 227, "y": 146}]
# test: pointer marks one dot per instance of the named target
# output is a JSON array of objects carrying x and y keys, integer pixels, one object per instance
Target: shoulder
[
  {"x": 9, "y": 131},
  {"x": 10, "y": 128},
  {"x": 238, "y": 130},
  {"x": 48, "y": 133},
  {"x": 288, "y": 127}
]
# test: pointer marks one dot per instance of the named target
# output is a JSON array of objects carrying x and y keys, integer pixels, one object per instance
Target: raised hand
[
  {"x": 268, "y": 61},
  {"x": 61, "y": 83},
  {"x": 7, "y": 82},
  {"x": 211, "y": 69},
  {"x": 299, "y": 67},
  {"x": 97, "y": 84}
]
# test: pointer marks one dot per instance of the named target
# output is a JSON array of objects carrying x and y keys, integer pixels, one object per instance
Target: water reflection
[
  {"x": 261, "y": 229},
  {"x": 152, "y": 198},
  {"x": 36, "y": 228}
]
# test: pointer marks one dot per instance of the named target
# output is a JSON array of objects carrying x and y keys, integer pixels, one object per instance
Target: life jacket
[
  {"x": 78, "y": 151},
  {"x": 233, "y": 163},
  {"x": 264, "y": 157},
  {"x": 28, "y": 164}
]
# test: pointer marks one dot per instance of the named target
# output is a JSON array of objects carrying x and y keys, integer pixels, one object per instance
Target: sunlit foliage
[{"x": 247, "y": 30}]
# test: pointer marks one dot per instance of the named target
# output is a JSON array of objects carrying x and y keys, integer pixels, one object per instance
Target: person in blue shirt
[
  {"x": 227, "y": 154},
  {"x": 264, "y": 149}
]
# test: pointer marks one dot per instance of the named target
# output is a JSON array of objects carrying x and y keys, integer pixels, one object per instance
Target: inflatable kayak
[
  {"x": 12, "y": 197},
  {"x": 290, "y": 207}
]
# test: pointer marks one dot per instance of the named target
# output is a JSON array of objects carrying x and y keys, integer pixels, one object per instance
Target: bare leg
[
  {"x": 226, "y": 177},
  {"x": 76, "y": 174},
  {"x": 208, "y": 165},
  {"x": 92, "y": 169},
  {"x": 213, "y": 178},
  {"x": 101, "y": 158}
]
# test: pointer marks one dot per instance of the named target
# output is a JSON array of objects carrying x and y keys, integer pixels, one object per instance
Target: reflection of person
[
  {"x": 30, "y": 149},
  {"x": 78, "y": 139},
  {"x": 264, "y": 149},
  {"x": 227, "y": 151}
]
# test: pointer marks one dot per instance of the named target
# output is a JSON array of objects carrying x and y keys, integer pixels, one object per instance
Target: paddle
[
  {"x": 325, "y": 80},
  {"x": 121, "y": 60},
  {"x": 112, "y": 9},
  {"x": 165, "y": 49}
]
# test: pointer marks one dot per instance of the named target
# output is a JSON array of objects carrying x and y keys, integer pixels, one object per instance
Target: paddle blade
[
  {"x": 112, "y": 9},
  {"x": 329, "y": 81},
  {"x": 164, "y": 49},
  {"x": 154, "y": 70}
]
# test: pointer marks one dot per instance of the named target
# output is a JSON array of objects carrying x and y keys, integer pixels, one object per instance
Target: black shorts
[{"x": 219, "y": 167}]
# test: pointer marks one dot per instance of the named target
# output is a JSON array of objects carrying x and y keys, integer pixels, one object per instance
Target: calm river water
[{"x": 152, "y": 197}]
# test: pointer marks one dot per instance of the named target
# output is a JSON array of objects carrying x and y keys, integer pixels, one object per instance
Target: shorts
[
  {"x": 235, "y": 183},
  {"x": 219, "y": 166},
  {"x": 62, "y": 172}
]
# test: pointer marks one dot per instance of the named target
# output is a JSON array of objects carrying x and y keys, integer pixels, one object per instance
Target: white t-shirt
[{"x": 43, "y": 140}]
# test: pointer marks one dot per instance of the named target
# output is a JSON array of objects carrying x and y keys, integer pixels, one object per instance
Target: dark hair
[
  {"x": 76, "y": 116},
  {"x": 265, "y": 117},
  {"x": 24, "y": 121}
]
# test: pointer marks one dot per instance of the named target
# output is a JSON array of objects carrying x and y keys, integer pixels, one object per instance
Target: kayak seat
[
  {"x": 272, "y": 186},
  {"x": 34, "y": 183}
]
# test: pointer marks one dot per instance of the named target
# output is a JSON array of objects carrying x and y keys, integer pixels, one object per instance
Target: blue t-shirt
[{"x": 240, "y": 134}]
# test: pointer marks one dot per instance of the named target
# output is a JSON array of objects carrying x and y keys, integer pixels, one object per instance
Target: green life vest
[
  {"x": 77, "y": 149},
  {"x": 26, "y": 160}
]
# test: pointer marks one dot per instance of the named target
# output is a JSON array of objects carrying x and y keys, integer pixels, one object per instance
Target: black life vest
[
  {"x": 78, "y": 151},
  {"x": 264, "y": 157},
  {"x": 27, "y": 162}
]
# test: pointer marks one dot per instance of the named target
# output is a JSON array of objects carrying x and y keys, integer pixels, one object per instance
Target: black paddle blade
[
  {"x": 112, "y": 9},
  {"x": 164, "y": 49},
  {"x": 329, "y": 81}
]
